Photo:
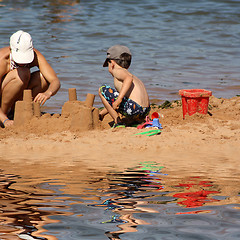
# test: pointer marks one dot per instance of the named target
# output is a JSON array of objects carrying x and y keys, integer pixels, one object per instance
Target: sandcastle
[
  {"x": 26, "y": 109},
  {"x": 82, "y": 115}
]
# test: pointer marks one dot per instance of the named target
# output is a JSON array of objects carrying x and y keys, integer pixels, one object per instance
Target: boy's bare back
[{"x": 137, "y": 91}]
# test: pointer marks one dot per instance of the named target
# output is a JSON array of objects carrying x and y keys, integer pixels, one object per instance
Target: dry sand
[{"x": 210, "y": 140}]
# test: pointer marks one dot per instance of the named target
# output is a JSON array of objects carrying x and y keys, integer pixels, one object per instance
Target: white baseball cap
[{"x": 21, "y": 47}]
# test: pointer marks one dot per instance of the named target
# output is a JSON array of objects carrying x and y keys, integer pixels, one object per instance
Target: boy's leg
[
  {"x": 108, "y": 109},
  {"x": 107, "y": 92},
  {"x": 133, "y": 111},
  {"x": 12, "y": 87},
  {"x": 37, "y": 83},
  {"x": 103, "y": 113}
]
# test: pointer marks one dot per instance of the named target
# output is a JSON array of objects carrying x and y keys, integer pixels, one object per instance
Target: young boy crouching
[{"x": 129, "y": 97}]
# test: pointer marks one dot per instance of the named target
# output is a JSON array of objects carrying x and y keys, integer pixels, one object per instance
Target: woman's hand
[
  {"x": 7, "y": 123},
  {"x": 42, "y": 98}
]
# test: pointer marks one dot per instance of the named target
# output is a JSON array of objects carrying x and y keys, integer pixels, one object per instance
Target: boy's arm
[
  {"x": 49, "y": 74},
  {"x": 127, "y": 80}
]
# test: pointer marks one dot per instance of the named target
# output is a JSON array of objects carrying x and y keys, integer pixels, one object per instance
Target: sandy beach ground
[
  {"x": 206, "y": 146},
  {"x": 211, "y": 141},
  {"x": 199, "y": 145},
  {"x": 197, "y": 150}
]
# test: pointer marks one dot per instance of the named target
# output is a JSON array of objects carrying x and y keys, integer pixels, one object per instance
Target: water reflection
[
  {"x": 20, "y": 211},
  {"x": 144, "y": 190},
  {"x": 62, "y": 10},
  {"x": 193, "y": 199},
  {"x": 128, "y": 193},
  {"x": 83, "y": 203}
]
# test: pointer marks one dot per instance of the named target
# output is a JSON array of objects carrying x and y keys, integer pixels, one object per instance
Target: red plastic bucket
[{"x": 194, "y": 100}]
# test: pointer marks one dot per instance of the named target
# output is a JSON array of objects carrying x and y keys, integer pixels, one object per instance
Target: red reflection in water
[{"x": 196, "y": 198}]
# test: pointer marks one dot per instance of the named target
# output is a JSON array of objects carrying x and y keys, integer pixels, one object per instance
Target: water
[
  {"x": 175, "y": 44},
  {"x": 148, "y": 201}
]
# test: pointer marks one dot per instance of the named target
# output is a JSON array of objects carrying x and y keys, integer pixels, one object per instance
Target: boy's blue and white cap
[
  {"x": 115, "y": 52},
  {"x": 21, "y": 47}
]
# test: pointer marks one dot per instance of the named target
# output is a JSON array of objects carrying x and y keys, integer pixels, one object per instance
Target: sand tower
[
  {"x": 83, "y": 115},
  {"x": 26, "y": 109}
]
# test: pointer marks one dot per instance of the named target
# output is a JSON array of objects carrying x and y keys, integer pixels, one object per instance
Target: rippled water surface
[
  {"x": 175, "y": 44},
  {"x": 147, "y": 201}
]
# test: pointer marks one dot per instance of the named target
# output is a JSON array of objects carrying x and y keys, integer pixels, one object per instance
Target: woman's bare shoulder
[{"x": 4, "y": 52}]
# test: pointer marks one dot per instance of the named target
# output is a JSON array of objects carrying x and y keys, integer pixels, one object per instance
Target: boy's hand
[{"x": 116, "y": 104}]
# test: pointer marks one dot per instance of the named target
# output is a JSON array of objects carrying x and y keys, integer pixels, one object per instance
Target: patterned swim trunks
[{"x": 127, "y": 107}]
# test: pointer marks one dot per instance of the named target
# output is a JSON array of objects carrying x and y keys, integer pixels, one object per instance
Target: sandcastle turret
[
  {"x": 89, "y": 100},
  {"x": 95, "y": 112},
  {"x": 72, "y": 94},
  {"x": 83, "y": 115},
  {"x": 26, "y": 109}
]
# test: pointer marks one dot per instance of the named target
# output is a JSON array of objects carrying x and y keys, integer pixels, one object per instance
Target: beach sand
[
  {"x": 185, "y": 146},
  {"x": 200, "y": 150},
  {"x": 211, "y": 140}
]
